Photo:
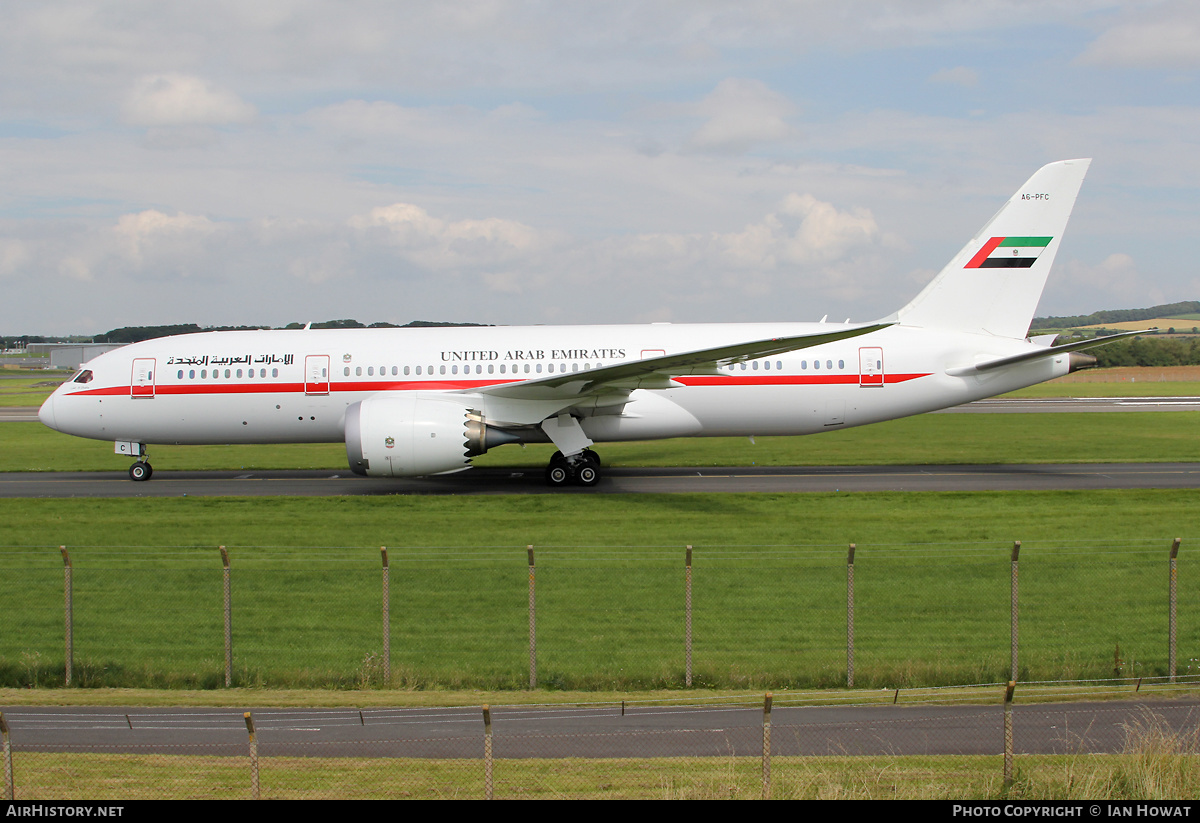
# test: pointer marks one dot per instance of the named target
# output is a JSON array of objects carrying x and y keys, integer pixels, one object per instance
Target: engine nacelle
[{"x": 407, "y": 434}]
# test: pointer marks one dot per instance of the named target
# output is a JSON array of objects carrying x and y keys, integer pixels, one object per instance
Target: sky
[{"x": 505, "y": 162}]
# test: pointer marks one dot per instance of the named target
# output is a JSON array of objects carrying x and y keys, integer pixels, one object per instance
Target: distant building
[{"x": 70, "y": 355}]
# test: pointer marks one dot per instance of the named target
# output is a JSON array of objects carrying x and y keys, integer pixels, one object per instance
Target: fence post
[
  {"x": 850, "y": 618},
  {"x": 68, "y": 616},
  {"x": 9, "y": 788},
  {"x": 254, "y": 789},
  {"x": 766, "y": 749},
  {"x": 225, "y": 589},
  {"x": 1013, "y": 610},
  {"x": 1008, "y": 734},
  {"x": 532, "y": 626},
  {"x": 387, "y": 622},
  {"x": 1171, "y": 617},
  {"x": 687, "y": 619},
  {"x": 487, "y": 752}
]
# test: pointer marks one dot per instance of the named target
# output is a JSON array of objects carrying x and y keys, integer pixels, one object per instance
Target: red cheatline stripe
[
  {"x": 460, "y": 385},
  {"x": 988, "y": 248}
]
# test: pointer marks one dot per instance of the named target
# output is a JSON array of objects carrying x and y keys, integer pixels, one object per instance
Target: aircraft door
[
  {"x": 870, "y": 367},
  {"x": 141, "y": 384},
  {"x": 316, "y": 374}
]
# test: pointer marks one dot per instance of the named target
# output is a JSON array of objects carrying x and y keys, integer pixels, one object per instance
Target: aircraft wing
[
  {"x": 656, "y": 372},
  {"x": 1048, "y": 351}
]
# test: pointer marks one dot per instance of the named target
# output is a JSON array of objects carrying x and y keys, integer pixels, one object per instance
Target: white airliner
[{"x": 410, "y": 402}]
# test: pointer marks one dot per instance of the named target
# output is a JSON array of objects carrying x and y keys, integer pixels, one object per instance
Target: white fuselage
[{"x": 295, "y": 386}]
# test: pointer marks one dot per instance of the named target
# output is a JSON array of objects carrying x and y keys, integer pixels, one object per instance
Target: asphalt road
[
  {"x": 615, "y": 481},
  {"x": 596, "y": 731}
]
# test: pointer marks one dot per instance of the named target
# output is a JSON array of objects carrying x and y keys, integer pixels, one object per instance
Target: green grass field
[
  {"x": 1134, "y": 776},
  {"x": 28, "y": 391},
  {"x": 932, "y": 574}
]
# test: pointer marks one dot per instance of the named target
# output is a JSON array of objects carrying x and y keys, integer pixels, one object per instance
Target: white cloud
[
  {"x": 183, "y": 100},
  {"x": 1114, "y": 282},
  {"x": 75, "y": 268},
  {"x": 14, "y": 255},
  {"x": 440, "y": 244},
  {"x": 151, "y": 229},
  {"x": 741, "y": 114},
  {"x": 804, "y": 232},
  {"x": 1163, "y": 36}
]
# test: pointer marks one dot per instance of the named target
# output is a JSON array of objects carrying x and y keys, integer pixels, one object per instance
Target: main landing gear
[{"x": 581, "y": 469}]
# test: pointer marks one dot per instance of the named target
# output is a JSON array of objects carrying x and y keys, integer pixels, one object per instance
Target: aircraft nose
[{"x": 46, "y": 412}]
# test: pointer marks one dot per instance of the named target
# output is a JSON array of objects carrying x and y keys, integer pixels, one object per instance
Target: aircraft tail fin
[{"x": 994, "y": 284}]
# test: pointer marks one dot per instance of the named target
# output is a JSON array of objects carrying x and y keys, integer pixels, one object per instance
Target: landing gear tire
[
  {"x": 588, "y": 473},
  {"x": 140, "y": 471},
  {"x": 558, "y": 473}
]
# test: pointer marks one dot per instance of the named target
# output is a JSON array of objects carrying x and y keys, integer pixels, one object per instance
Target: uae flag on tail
[{"x": 1009, "y": 253}]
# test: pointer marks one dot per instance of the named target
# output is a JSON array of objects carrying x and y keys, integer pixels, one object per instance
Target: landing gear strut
[{"x": 582, "y": 469}]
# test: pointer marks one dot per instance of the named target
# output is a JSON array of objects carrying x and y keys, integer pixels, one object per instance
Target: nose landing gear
[{"x": 141, "y": 469}]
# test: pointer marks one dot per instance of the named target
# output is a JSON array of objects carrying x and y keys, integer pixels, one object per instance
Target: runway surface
[
  {"x": 596, "y": 731},
  {"x": 615, "y": 481},
  {"x": 657, "y": 480}
]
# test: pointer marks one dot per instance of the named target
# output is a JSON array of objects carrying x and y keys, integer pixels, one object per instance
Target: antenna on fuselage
[{"x": 308, "y": 325}]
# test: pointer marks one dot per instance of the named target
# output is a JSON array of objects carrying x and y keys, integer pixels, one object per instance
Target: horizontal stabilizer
[{"x": 1037, "y": 354}]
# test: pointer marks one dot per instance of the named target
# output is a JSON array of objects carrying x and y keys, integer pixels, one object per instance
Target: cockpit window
[{"x": 84, "y": 376}]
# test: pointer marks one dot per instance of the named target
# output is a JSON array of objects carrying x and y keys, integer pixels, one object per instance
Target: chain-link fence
[
  {"x": 911, "y": 744},
  {"x": 592, "y": 618}
]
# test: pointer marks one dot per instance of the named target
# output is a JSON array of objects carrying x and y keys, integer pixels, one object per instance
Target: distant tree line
[
  {"x": 1120, "y": 316},
  {"x": 1149, "y": 351}
]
